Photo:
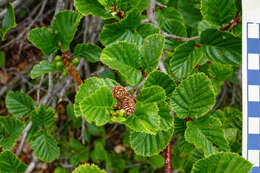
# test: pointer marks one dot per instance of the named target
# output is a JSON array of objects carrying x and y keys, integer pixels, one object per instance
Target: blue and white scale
[{"x": 251, "y": 82}]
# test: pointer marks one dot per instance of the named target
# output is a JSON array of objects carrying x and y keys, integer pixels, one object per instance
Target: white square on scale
[
  {"x": 253, "y": 125},
  {"x": 253, "y": 30},
  {"x": 253, "y": 61},
  {"x": 253, "y": 93},
  {"x": 253, "y": 157}
]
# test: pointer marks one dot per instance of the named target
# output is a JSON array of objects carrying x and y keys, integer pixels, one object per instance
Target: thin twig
[
  {"x": 152, "y": 19},
  {"x": 83, "y": 130},
  {"x": 138, "y": 87},
  {"x": 160, "y": 5},
  {"x": 175, "y": 37},
  {"x": 32, "y": 165},
  {"x": 25, "y": 133},
  {"x": 60, "y": 5},
  {"x": 38, "y": 91},
  {"x": 162, "y": 67},
  {"x": 221, "y": 97},
  {"x": 232, "y": 23},
  {"x": 46, "y": 99}
]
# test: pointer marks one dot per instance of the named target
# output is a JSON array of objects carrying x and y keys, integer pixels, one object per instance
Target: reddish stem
[
  {"x": 168, "y": 159},
  {"x": 232, "y": 24},
  {"x": 69, "y": 67},
  {"x": 198, "y": 45},
  {"x": 188, "y": 119}
]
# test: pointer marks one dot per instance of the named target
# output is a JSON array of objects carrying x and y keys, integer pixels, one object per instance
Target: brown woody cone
[
  {"x": 128, "y": 104},
  {"x": 120, "y": 92}
]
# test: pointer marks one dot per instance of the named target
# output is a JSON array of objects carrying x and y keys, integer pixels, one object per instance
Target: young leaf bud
[
  {"x": 59, "y": 65},
  {"x": 57, "y": 58},
  {"x": 64, "y": 73},
  {"x": 75, "y": 61}
]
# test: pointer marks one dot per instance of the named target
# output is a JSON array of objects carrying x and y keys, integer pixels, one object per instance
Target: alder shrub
[{"x": 171, "y": 59}]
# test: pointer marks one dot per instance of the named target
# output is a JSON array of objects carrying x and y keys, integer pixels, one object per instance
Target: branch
[
  {"x": 232, "y": 24},
  {"x": 32, "y": 165},
  {"x": 168, "y": 159},
  {"x": 152, "y": 19},
  {"x": 160, "y": 5},
  {"x": 25, "y": 133},
  {"x": 220, "y": 97},
  {"x": 175, "y": 37}
]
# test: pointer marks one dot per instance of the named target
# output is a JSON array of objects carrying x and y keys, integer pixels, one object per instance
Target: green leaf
[
  {"x": 221, "y": 46},
  {"x": 43, "y": 117},
  {"x": 190, "y": 12},
  {"x": 156, "y": 161},
  {"x": 89, "y": 87},
  {"x": 166, "y": 119},
  {"x": 206, "y": 134},
  {"x": 179, "y": 126},
  {"x": 160, "y": 79},
  {"x": 75, "y": 144},
  {"x": 44, "y": 39},
  {"x": 220, "y": 71},
  {"x": 156, "y": 94},
  {"x": 231, "y": 135},
  {"x": 149, "y": 145},
  {"x": 139, "y": 4},
  {"x": 175, "y": 28},
  {"x": 125, "y": 58},
  {"x": 152, "y": 94},
  {"x": 169, "y": 13},
  {"x": 151, "y": 51},
  {"x": 79, "y": 157},
  {"x": 97, "y": 107},
  {"x": 123, "y": 30},
  {"x": 147, "y": 29},
  {"x": 45, "y": 147},
  {"x": 43, "y": 68},
  {"x": 86, "y": 168},
  {"x": 194, "y": 97},
  {"x": 222, "y": 163},
  {"x": 218, "y": 12},
  {"x": 10, "y": 163},
  {"x": 204, "y": 25},
  {"x": 86, "y": 7},
  {"x": 2, "y": 59},
  {"x": 19, "y": 104},
  {"x": 65, "y": 25},
  {"x": 11, "y": 129},
  {"x": 95, "y": 130},
  {"x": 99, "y": 153},
  {"x": 90, "y": 52},
  {"x": 8, "y": 21},
  {"x": 145, "y": 118},
  {"x": 61, "y": 170},
  {"x": 184, "y": 59}
]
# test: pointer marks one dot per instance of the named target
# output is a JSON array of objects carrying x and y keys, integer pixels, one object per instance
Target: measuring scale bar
[{"x": 251, "y": 82}]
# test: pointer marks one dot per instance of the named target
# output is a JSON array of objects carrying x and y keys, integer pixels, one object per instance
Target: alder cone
[
  {"x": 124, "y": 100},
  {"x": 128, "y": 105},
  {"x": 120, "y": 92}
]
